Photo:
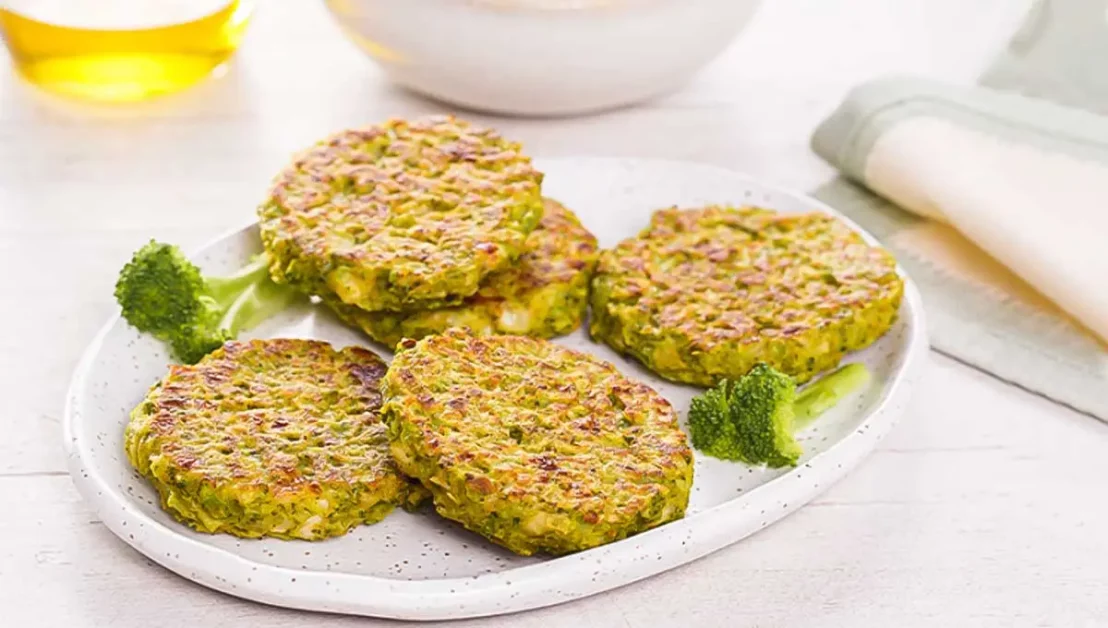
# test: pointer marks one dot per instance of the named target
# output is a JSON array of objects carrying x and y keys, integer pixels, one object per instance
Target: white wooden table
[{"x": 985, "y": 507}]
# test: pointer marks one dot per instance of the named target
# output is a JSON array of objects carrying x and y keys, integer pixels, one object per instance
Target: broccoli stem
[
  {"x": 257, "y": 302},
  {"x": 227, "y": 290},
  {"x": 822, "y": 395},
  {"x": 247, "y": 297}
]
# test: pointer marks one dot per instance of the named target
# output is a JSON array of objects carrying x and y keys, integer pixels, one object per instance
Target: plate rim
[{"x": 484, "y": 594}]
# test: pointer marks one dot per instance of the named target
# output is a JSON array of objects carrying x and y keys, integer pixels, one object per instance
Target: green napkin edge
[{"x": 847, "y": 136}]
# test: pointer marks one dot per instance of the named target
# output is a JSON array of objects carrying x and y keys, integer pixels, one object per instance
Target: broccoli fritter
[
  {"x": 401, "y": 215},
  {"x": 537, "y": 447},
  {"x": 278, "y": 438},
  {"x": 544, "y": 295},
  {"x": 705, "y": 294}
]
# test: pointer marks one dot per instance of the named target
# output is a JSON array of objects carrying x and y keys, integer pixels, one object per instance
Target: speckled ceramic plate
[{"x": 418, "y": 566}]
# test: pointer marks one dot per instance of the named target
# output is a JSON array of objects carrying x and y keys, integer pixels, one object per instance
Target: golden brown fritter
[
  {"x": 276, "y": 438},
  {"x": 705, "y": 294},
  {"x": 538, "y": 447},
  {"x": 401, "y": 215}
]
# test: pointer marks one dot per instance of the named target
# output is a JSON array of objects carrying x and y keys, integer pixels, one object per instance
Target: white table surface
[{"x": 985, "y": 507}]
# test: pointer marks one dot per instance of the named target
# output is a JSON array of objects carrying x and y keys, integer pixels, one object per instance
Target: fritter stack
[{"x": 408, "y": 228}]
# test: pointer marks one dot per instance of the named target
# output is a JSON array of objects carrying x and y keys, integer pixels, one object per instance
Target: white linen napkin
[
  {"x": 1026, "y": 182},
  {"x": 1040, "y": 212}
]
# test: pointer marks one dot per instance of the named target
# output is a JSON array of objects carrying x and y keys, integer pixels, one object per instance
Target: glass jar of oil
[{"x": 121, "y": 50}]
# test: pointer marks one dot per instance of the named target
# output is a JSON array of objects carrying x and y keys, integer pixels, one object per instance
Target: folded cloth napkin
[
  {"x": 997, "y": 202},
  {"x": 1026, "y": 182}
]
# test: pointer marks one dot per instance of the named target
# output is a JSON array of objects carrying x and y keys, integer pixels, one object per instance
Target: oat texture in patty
[
  {"x": 537, "y": 447},
  {"x": 544, "y": 295},
  {"x": 277, "y": 438},
  {"x": 705, "y": 294},
  {"x": 401, "y": 215}
]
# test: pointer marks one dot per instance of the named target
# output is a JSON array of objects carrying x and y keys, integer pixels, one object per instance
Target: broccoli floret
[
  {"x": 165, "y": 295},
  {"x": 754, "y": 418}
]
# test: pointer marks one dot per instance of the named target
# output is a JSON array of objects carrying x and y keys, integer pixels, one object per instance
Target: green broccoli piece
[
  {"x": 165, "y": 295},
  {"x": 754, "y": 418}
]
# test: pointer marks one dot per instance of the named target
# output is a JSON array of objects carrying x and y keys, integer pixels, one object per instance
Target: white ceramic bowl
[{"x": 542, "y": 57}]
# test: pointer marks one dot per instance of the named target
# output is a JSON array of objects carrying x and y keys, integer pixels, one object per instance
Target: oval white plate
[{"x": 418, "y": 566}]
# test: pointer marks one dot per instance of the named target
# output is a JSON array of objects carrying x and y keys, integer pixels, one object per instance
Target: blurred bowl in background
[
  {"x": 542, "y": 57},
  {"x": 121, "y": 50}
]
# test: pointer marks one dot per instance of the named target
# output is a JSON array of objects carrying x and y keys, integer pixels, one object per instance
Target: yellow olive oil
[{"x": 121, "y": 50}]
